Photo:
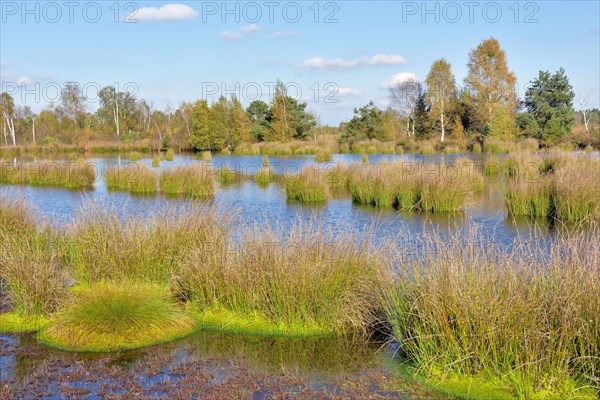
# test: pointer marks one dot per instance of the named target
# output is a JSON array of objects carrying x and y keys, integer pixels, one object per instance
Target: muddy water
[{"x": 207, "y": 366}]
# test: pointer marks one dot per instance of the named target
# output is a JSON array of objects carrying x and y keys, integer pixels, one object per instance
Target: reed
[
  {"x": 195, "y": 181},
  {"x": 264, "y": 176},
  {"x": 134, "y": 178},
  {"x": 308, "y": 186},
  {"x": 525, "y": 320},
  {"x": 109, "y": 317}
]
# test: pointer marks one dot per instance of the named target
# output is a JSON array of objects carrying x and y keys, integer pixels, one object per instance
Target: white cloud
[
  {"x": 24, "y": 80},
  {"x": 168, "y": 12},
  {"x": 348, "y": 92},
  {"x": 244, "y": 32},
  {"x": 341, "y": 64},
  {"x": 282, "y": 34},
  {"x": 399, "y": 78}
]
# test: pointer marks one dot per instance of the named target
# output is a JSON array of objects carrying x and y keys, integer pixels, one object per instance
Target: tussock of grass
[
  {"x": 336, "y": 176},
  {"x": 108, "y": 317},
  {"x": 306, "y": 281},
  {"x": 196, "y": 181},
  {"x": 309, "y": 186},
  {"x": 264, "y": 176},
  {"x": 135, "y": 178},
  {"x": 526, "y": 318},
  {"x": 559, "y": 186},
  {"x": 266, "y": 162},
  {"x": 15, "y": 216},
  {"x": 410, "y": 186},
  {"x": 227, "y": 175},
  {"x": 70, "y": 175},
  {"x": 206, "y": 156},
  {"x": 104, "y": 248},
  {"x": 156, "y": 161},
  {"x": 32, "y": 274},
  {"x": 170, "y": 155},
  {"x": 323, "y": 156},
  {"x": 134, "y": 156}
]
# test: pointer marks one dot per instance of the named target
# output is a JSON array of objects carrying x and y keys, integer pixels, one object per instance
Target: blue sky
[{"x": 350, "y": 50}]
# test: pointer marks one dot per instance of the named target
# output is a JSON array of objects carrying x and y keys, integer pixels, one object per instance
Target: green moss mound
[
  {"x": 13, "y": 322},
  {"x": 108, "y": 317}
]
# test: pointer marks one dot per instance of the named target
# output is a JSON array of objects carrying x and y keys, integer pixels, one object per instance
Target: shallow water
[{"x": 207, "y": 366}]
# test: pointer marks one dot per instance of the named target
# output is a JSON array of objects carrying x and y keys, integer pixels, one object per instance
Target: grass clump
[
  {"x": 170, "y": 155},
  {"x": 69, "y": 175},
  {"x": 323, "y": 156},
  {"x": 156, "y": 161},
  {"x": 135, "y": 178},
  {"x": 109, "y": 317},
  {"x": 524, "y": 198},
  {"x": 195, "y": 181},
  {"x": 227, "y": 175},
  {"x": 524, "y": 320},
  {"x": 264, "y": 176},
  {"x": 134, "y": 156},
  {"x": 309, "y": 186},
  {"x": 104, "y": 248},
  {"x": 206, "y": 156},
  {"x": 306, "y": 281},
  {"x": 265, "y": 161}
]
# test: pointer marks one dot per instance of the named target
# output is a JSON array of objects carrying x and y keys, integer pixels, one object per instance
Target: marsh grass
[
  {"x": 560, "y": 186},
  {"x": 16, "y": 216},
  {"x": 303, "y": 281},
  {"x": 32, "y": 272},
  {"x": 525, "y": 319},
  {"x": 265, "y": 161},
  {"x": 134, "y": 156},
  {"x": 170, "y": 155},
  {"x": 195, "y": 181},
  {"x": 156, "y": 161},
  {"x": 206, "y": 156},
  {"x": 264, "y": 176},
  {"x": 101, "y": 247},
  {"x": 411, "y": 186},
  {"x": 109, "y": 317},
  {"x": 337, "y": 176},
  {"x": 70, "y": 175},
  {"x": 227, "y": 175},
  {"x": 308, "y": 186},
  {"x": 323, "y": 156},
  {"x": 134, "y": 178}
]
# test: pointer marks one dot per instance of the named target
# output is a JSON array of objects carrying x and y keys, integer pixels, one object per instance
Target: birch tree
[{"x": 441, "y": 92}]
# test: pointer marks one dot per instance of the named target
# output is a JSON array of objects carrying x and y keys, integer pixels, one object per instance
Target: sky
[{"x": 335, "y": 55}]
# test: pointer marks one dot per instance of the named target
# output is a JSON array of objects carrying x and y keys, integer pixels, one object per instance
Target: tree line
[{"x": 487, "y": 106}]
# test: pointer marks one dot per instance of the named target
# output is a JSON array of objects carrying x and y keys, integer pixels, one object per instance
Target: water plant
[
  {"x": 335, "y": 283},
  {"x": 70, "y": 175},
  {"x": 265, "y": 161},
  {"x": 134, "y": 178},
  {"x": 264, "y": 176},
  {"x": 110, "y": 317},
  {"x": 170, "y": 154},
  {"x": 308, "y": 186},
  {"x": 156, "y": 161},
  {"x": 196, "y": 181},
  {"x": 134, "y": 156},
  {"x": 227, "y": 175},
  {"x": 323, "y": 156},
  {"x": 524, "y": 321},
  {"x": 206, "y": 156}
]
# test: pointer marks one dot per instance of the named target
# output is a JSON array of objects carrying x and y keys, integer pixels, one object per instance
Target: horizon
[{"x": 186, "y": 51}]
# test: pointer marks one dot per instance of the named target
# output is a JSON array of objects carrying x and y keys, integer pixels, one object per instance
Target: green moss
[
  {"x": 258, "y": 325},
  {"x": 13, "y": 322},
  {"x": 109, "y": 317}
]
